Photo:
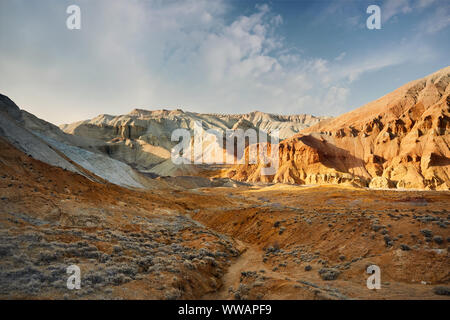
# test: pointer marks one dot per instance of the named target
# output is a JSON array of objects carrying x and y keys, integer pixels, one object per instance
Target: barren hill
[
  {"x": 46, "y": 142},
  {"x": 142, "y": 138},
  {"x": 400, "y": 140}
]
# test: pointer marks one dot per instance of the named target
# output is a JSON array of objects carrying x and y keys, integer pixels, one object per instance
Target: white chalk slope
[{"x": 47, "y": 143}]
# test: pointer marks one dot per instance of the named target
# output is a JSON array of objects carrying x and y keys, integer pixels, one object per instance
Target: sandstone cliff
[{"x": 400, "y": 140}]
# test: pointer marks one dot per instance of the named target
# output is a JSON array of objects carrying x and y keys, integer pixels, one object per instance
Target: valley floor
[
  {"x": 246, "y": 242},
  {"x": 286, "y": 230}
]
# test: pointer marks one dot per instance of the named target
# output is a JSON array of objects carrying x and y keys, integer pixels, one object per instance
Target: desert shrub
[
  {"x": 47, "y": 257},
  {"x": 95, "y": 278},
  {"x": 405, "y": 247},
  {"x": 104, "y": 258},
  {"x": 145, "y": 262},
  {"x": 188, "y": 265},
  {"x": 329, "y": 273},
  {"x": 438, "y": 239},
  {"x": 5, "y": 250},
  {"x": 205, "y": 252},
  {"x": 441, "y": 290},
  {"x": 91, "y": 254},
  {"x": 427, "y": 233},
  {"x": 241, "y": 292},
  {"x": 387, "y": 241},
  {"x": 211, "y": 261},
  {"x": 128, "y": 270},
  {"x": 173, "y": 294}
]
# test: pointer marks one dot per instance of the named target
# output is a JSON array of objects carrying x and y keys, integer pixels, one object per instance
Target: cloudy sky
[{"x": 224, "y": 56}]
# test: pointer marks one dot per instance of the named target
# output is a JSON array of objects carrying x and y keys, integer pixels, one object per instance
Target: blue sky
[{"x": 226, "y": 56}]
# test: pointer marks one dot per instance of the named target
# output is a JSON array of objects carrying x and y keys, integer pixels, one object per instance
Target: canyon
[{"x": 369, "y": 187}]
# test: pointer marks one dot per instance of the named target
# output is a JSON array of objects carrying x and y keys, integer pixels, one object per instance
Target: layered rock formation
[
  {"x": 142, "y": 138},
  {"x": 400, "y": 140}
]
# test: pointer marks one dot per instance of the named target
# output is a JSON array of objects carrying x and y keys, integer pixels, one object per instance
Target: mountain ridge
[
  {"x": 142, "y": 138},
  {"x": 399, "y": 140}
]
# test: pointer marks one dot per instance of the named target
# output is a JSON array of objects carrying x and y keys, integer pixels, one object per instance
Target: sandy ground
[{"x": 286, "y": 228}]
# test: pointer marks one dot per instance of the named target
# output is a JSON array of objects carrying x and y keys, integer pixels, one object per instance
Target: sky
[{"x": 214, "y": 56}]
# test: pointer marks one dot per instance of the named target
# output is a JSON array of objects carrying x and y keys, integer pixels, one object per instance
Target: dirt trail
[{"x": 250, "y": 259}]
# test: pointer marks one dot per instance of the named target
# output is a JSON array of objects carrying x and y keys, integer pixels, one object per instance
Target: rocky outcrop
[
  {"x": 400, "y": 140},
  {"x": 142, "y": 138},
  {"x": 381, "y": 183}
]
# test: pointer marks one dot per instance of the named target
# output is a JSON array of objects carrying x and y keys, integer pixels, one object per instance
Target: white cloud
[
  {"x": 391, "y": 8},
  {"x": 438, "y": 21},
  {"x": 425, "y": 3},
  {"x": 187, "y": 54},
  {"x": 336, "y": 97},
  {"x": 241, "y": 49},
  {"x": 340, "y": 56}
]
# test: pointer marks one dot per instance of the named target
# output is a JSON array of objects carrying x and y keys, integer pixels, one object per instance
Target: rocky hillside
[
  {"x": 142, "y": 138},
  {"x": 46, "y": 142},
  {"x": 400, "y": 140},
  {"x": 249, "y": 242},
  {"x": 129, "y": 244}
]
